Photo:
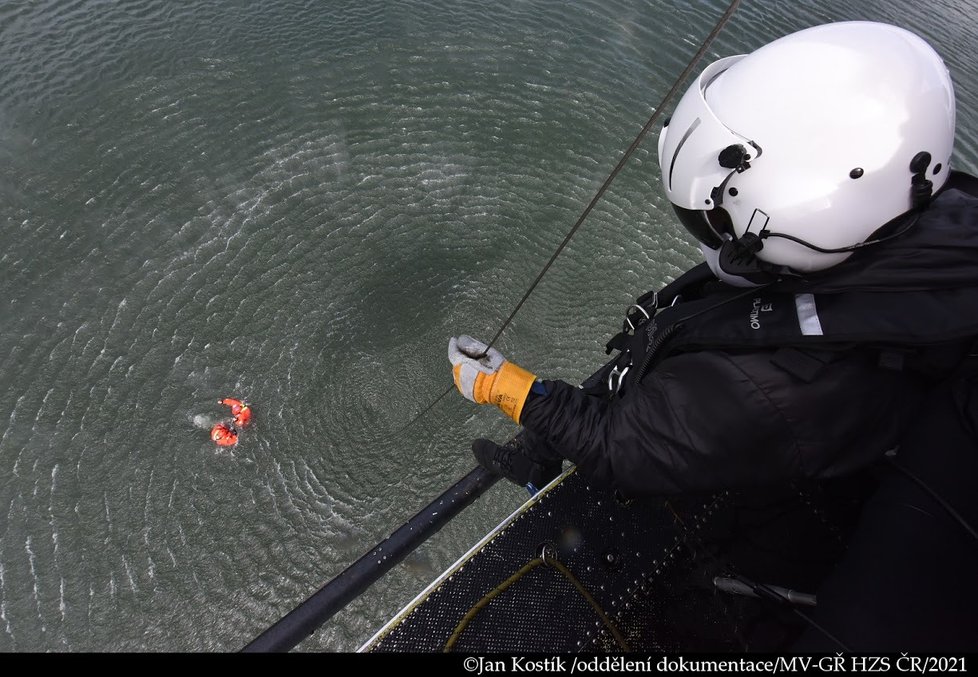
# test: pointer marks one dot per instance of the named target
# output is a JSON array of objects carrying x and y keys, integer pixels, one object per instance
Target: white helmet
[{"x": 811, "y": 143}]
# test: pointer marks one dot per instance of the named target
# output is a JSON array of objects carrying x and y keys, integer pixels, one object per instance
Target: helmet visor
[
  {"x": 690, "y": 145},
  {"x": 711, "y": 228}
]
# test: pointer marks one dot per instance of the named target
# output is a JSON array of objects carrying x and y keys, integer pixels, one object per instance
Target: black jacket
[{"x": 711, "y": 417}]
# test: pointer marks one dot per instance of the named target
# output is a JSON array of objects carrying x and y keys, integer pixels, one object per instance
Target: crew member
[{"x": 840, "y": 284}]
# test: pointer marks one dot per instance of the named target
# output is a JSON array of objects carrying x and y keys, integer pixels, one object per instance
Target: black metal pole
[{"x": 308, "y": 616}]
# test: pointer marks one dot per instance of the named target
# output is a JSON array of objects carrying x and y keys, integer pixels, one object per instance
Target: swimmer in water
[
  {"x": 240, "y": 411},
  {"x": 224, "y": 435}
]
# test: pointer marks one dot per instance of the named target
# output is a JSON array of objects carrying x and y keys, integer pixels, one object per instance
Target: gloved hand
[{"x": 484, "y": 376}]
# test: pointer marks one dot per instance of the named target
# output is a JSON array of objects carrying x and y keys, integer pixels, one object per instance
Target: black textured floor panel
[{"x": 636, "y": 560}]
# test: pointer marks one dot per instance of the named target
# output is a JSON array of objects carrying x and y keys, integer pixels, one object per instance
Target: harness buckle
[
  {"x": 615, "y": 378},
  {"x": 629, "y": 314}
]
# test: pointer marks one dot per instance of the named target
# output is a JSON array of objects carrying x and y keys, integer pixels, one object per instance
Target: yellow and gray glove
[{"x": 484, "y": 376}]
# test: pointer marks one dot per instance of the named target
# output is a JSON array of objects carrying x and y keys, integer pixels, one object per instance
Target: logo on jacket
[
  {"x": 650, "y": 329},
  {"x": 757, "y": 308}
]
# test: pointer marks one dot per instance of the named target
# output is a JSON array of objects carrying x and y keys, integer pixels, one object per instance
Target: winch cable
[
  {"x": 944, "y": 503},
  {"x": 705, "y": 45}
]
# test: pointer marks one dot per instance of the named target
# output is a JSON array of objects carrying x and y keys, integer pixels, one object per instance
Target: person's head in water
[{"x": 787, "y": 159}]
